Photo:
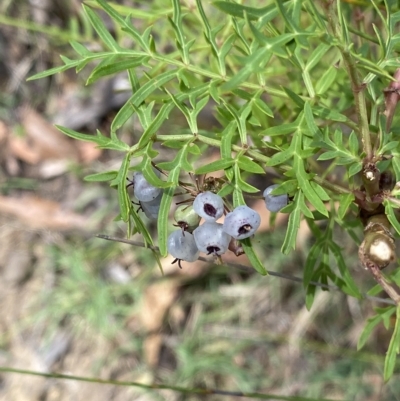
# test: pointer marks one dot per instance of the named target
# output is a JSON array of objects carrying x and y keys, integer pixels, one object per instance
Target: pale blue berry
[
  {"x": 274, "y": 203},
  {"x": 182, "y": 246},
  {"x": 211, "y": 238},
  {"x": 209, "y": 206},
  {"x": 242, "y": 222}
]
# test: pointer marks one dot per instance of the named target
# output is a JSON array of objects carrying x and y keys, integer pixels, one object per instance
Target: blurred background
[{"x": 76, "y": 304}]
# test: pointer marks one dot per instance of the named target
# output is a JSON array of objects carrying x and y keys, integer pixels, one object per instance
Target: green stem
[{"x": 356, "y": 84}]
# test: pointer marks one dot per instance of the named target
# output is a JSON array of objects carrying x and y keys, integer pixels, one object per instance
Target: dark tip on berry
[
  {"x": 179, "y": 262},
  {"x": 213, "y": 250},
  {"x": 130, "y": 183},
  {"x": 183, "y": 225},
  {"x": 140, "y": 208},
  {"x": 210, "y": 210},
  {"x": 244, "y": 229}
]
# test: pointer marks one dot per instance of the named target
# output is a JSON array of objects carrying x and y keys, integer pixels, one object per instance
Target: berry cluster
[{"x": 210, "y": 237}]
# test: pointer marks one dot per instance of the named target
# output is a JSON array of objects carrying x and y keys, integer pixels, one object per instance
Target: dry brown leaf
[
  {"x": 158, "y": 298},
  {"x": 88, "y": 151},
  {"x": 151, "y": 349},
  {"x": 44, "y": 139},
  {"x": 20, "y": 148},
  {"x": 11, "y": 164},
  {"x": 42, "y": 214}
]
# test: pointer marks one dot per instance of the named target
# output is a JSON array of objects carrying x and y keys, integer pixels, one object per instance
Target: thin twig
[
  {"x": 357, "y": 86},
  {"x": 248, "y": 269},
  {"x": 155, "y": 386}
]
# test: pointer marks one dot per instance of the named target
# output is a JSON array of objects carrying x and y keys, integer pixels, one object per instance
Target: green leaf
[
  {"x": 123, "y": 197},
  {"x": 372, "y": 322},
  {"x": 374, "y": 291},
  {"x": 178, "y": 29},
  {"x": 101, "y": 140},
  {"x": 310, "y": 295},
  {"x": 82, "y": 137},
  {"x": 239, "y": 119},
  {"x": 164, "y": 113},
  {"x": 396, "y": 164},
  {"x": 113, "y": 66},
  {"x": 308, "y": 115},
  {"x": 142, "y": 229},
  {"x": 351, "y": 287},
  {"x": 260, "y": 105},
  {"x": 214, "y": 91},
  {"x": 140, "y": 96},
  {"x": 253, "y": 257},
  {"x": 320, "y": 191},
  {"x": 296, "y": 98},
  {"x": 329, "y": 114},
  {"x": 253, "y": 63},
  {"x": 316, "y": 56},
  {"x": 150, "y": 176},
  {"x": 249, "y": 165},
  {"x": 345, "y": 200},
  {"x": 100, "y": 28},
  {"x": 245, "y": 187},
  {"x": 388, "y": 147},
  {"x": 393, "y": 350},
  {"x": 303, "y": 178},
  {"x": 106, "y": 176},
  {"x": 353, "y": 143},
  {"x": 237, "y": 10},
  {"x": 287, "y": 187},
  {"x": 326, "y": 81},
  {"x": 391, "y": 216},
  {"x": 226, "y": 140},
  {"x": 355, "y": 168},
  {"x": 217, "y": 165},
  {"x": 55, "y": 70},
  {"x": 311, "y": 261},
  {"x": 194, "y": 149},
  {"x": 80, "y": 49},
  {"x": 282, "y": 129},
  {"x": 294, "y": 224},
  {"x": 163, "y": 216},
  {"x": 125, "y": 23},
  {"x": 280, "y": 157}
]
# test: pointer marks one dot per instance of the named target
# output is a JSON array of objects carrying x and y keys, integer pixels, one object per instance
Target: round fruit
[
  {"x": 142, "y": 189},
  {"x": 274, "y": 203},
  {"x": 208, "y": 205},
  {"x": 211, "y": 238},
  {"x": 186, "y": 218},
  {"x": 242, "y": 222},
  {"x": 182, "y": 246},
  {"x": 152, "y": 208}
]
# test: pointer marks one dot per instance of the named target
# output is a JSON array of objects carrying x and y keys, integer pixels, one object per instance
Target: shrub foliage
[{"x": 306, "y": 88}]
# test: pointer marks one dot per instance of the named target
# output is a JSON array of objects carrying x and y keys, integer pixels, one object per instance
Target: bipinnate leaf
[
  {"x": 140, "y": 96},
  {"x": 100, "y": 28}
]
